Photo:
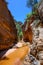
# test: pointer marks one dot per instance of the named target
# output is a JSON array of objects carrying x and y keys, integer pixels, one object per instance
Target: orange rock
[
  {"x": 8, "y": 32},
  {"x": 27, "y": 35},
  {"x": 18, "y": 54}
]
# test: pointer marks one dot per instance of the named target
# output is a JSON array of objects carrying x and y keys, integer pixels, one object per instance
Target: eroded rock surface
[{"x": 8, "y": 32}]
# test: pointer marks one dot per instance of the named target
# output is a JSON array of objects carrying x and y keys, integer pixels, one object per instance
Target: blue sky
[{"x": 18, "y": 9}]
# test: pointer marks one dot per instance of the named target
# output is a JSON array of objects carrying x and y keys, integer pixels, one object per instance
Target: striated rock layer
[{"x": 8, "y": 32}]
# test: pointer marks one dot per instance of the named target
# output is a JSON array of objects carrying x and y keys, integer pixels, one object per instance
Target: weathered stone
[
  {"x": 40, "y": 55},
  {"x": 37, "y": 46},
  {"x": 40, "y": 8},
  {"x": 41, "y": 62},
  {"x": 27, "y": 33},
  {"x": 8, "y": 32}
]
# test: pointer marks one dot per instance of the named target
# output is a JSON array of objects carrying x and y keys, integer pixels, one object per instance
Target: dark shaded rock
[{"x": 27, "y": 32}]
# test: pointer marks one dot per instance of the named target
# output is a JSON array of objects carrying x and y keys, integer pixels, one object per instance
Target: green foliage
[
  {"x": 36, "y": 5},
  {"x": 29, "y": 15},
  {"x": 34, "y": 12},
  {"x": 19, "y": 31},
  {"x": 32, "y": 3}
]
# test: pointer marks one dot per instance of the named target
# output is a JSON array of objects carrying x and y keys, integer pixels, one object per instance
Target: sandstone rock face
[
  {"x": 36, "y": 49},
  {"x": 27, "y": 27},
  {"x": 8, "y": 32},
  {"x": 40, "y": 8},
  {"x": 37, "y": 46},
  {"x": 30, "y": 60},
  {"x": 27, "y": 33},
  {"x": 27, "y": 36}
]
